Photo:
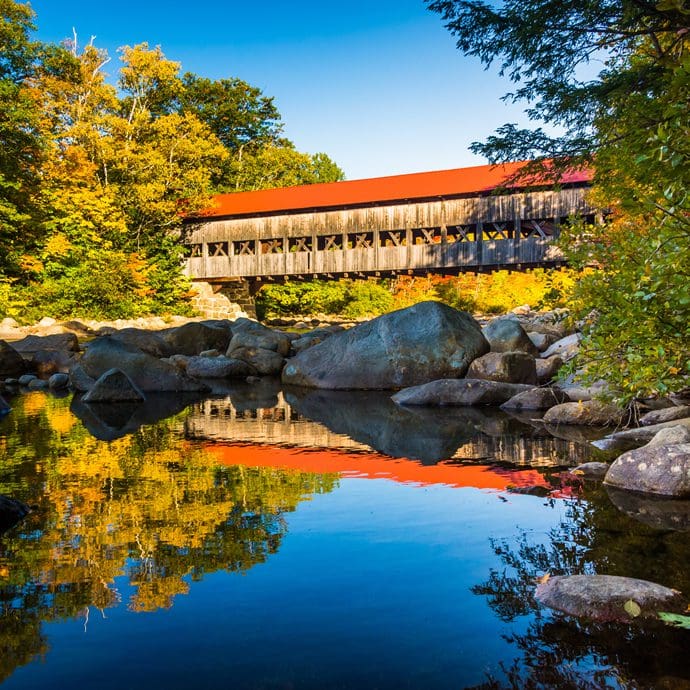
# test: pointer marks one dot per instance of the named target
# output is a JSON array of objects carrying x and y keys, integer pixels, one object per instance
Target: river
[{"x": 274, "y": 540}]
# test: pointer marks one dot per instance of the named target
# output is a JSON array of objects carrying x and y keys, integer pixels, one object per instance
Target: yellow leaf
[
  {"x": 632, "y": 608},
  {"x": 543, "y": 579},
  {"x": 674, "y": 370}
]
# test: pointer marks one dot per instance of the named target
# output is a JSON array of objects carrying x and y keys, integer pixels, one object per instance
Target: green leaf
[
  {"x": 632, "y": 608},
  {"x": 675, "y": 619}
]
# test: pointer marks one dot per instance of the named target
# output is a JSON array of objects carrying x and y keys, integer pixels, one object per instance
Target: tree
[
  {"x": 630, "y": 122},
  {"x": 20, "y": 137}
]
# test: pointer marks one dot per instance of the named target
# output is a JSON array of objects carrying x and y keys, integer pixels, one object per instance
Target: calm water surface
[{"x": 272, "y": 539}]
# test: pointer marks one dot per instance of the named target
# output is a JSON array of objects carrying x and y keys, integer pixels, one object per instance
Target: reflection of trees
[
  {"x": 557, "y": 651},
  {"x": 148, "y": 506}
]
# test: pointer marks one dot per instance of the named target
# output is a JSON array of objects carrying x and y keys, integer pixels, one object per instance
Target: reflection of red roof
[
  {"x": 426, "y": 185},
  {"x": 373, "y": 466}
]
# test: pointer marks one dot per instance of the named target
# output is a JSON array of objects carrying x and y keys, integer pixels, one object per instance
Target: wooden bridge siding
[{"x": 510, "y": 208}]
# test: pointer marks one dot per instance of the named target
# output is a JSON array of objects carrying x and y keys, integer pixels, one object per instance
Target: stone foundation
[{"x": 227, "y": 301}]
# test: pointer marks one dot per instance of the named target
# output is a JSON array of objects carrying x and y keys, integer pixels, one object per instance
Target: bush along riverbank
[{"x": 428, "y": 355}]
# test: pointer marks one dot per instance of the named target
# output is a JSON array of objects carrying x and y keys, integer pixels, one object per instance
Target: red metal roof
[{"x": 426, "y": 185}]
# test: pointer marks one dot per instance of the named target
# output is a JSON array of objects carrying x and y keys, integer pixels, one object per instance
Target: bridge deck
[{"x": 481, "y": 232}]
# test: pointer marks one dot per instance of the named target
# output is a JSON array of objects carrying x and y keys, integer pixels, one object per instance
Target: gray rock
[
  {"x": 58, "y": 381},
  {"x": 663, "y": 470},
  {"x": 47, "y": 362},
  {"x": 11, "y": 362},
  {"x": 259, "y": 337},
  {"x": 79, "y": 380},
  {"x": 37, "y": 385},
  {"x": 635, "y": 437},
  {"x": 210, "y": 353},
  {"x": 541, "y": 340},
  {"x": 535, "y": 399},
  {"x": 146, "y": 371},
  {"x": 592, "y": 470},
  {"x": 58, "y": 342},
  {"x": 305, "y": 342},
  {"x": 11, "y": 512},
  {"x": 566, "y": 347},
  {"x": 578, "y": 393},
  {"x": 505, "y": 334},
  {"x": 670, "y": 436},
  {"x": 146, "y": 341},
  {"x": 421, "y": 343},
  {"x": 548, "y": 368},
  {"x": 460, "y": 392},
  {"x": 659, "y": 512},
  {"x": 506, "y": 367},
  {"x": 604, "y": 597},
  {"x": 195, "y": 337},
  {"x": 263, "y": 362},
  {"x": 114, "y": 386},
  {"x": 666, "y": 415},
  {"x": 586, "y": 413},
  {"x": 218, "y": 368},
  {"x": 26, "y": 379}
]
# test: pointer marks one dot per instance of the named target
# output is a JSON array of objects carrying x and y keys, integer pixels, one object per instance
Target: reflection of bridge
[
  {"x": 363, "y": 422},
  {"x": 444, "y": 222}
]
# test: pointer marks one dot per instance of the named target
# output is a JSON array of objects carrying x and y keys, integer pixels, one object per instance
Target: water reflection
[
  {"x": 557, "y": 651},
  {"x": 148, "y": 506}
]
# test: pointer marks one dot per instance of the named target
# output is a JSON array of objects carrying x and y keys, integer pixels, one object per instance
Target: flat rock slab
[
  {"x": 67, "y": 342},
  {"x": 633, "y": 437},
  {"x": 592, "y": 470},
  {"x": 218, "y": 368},
  {"x": 410, "y": 346},
  {"x": 666, "y": 415},
  {"x": 604, "y": 597},
  {"x": 460, "y": 392},
  {"x": 662, "y": 470}
]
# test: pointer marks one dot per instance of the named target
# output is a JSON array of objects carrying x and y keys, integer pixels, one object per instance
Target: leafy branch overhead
[{"x": 607, "y": 85}]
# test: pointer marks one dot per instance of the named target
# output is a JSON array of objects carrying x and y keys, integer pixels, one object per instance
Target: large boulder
[
  {"x": 195, "y": 337},
  {"x": 218, "y": 368},
  {"x": 114, "y": 386},
  {"x": 535, "y": 399},
  {"x": 607, "y": 597},
  {"x": 654, "y": 469},
  {"x": 505, "y": 334},
  {"x": 12, "y": 364},
  {"x": 79, "y": 380},
  {"x": 146, "y": 371},
  {"x": 507, "y": 367},
  {"x": 586, "y": 413},
  {"x": 11, "y": 512},
  {"x": 460, "y": 392},
  {"x": 147, "y": 341},
  {"x": 541, "y": 340},
  {"x": 421, "y": 343}
]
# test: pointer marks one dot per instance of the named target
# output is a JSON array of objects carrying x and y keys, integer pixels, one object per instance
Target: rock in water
[
  {"x": 193, "y": 338},
  {"x": 11, "y": 362},
  {"x": 147, "y": 372},
  {"x": 654, "y": 469},
  {"x": 606, "y": 597},
  {"x": 459, "y": 392},
  {"x": 421, "y": 343},
  {"x": 114, "y": 386},
  {"x": 536, "y": 399},
  {"x": 587, "y": 413},
  {"x": 11, "y": 512}
]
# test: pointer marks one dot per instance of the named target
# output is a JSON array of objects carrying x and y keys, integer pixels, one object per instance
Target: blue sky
[{"x": 379, "y": 86}]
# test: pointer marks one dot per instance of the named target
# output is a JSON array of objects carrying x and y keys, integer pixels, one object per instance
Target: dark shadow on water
[
  {"x": 110, "y": 421},
  {"x": 658, "y": 512},
  {"x": 434, "y": 434}
]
